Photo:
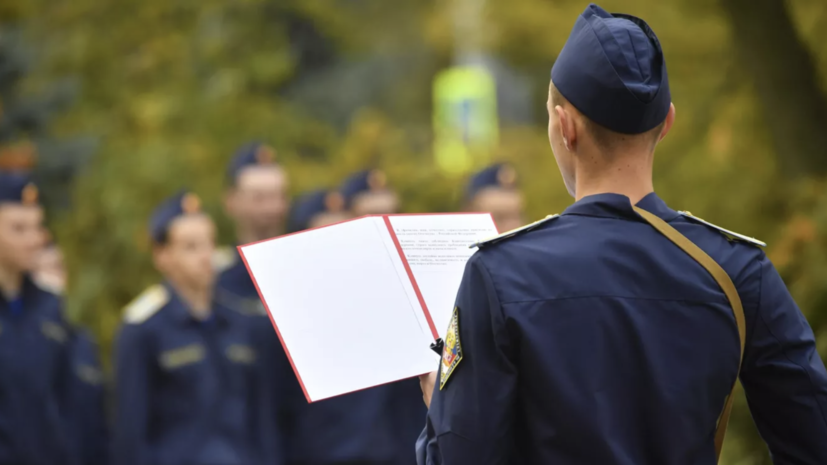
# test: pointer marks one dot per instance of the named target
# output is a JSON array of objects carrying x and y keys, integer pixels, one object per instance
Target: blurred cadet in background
[
  {"x": 35, "y": 365},
  {"x": 257, "y": 201},
  {"x": 363, "y": 427},
  {"x": 188, "y": 387},
  {"x": 494, "y": 190},
  {"x": 87, "y": 393},
  {"x": 367, "y": 193}
]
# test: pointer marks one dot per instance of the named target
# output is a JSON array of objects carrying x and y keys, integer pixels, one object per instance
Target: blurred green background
[{"x": 125, "y": 101}]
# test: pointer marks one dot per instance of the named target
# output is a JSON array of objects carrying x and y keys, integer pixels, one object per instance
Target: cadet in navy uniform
[
  {"x": 87, "y": 394},
  {"x": 361, "y": 428},
  {"x": 34, "y": 339},
  {"x": 257, "y": 202},
  {"x": 614, "y": 333},
  {"x": 368, "y": 193},
  {"x": 493, "y": 190},
  {"x": 188, "y": 388}
]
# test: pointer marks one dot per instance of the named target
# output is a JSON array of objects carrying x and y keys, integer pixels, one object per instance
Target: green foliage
[{"x": 171, "y": 88}]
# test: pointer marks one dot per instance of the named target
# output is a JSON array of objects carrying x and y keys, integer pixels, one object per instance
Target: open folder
[{"x": 358, "y": 304}]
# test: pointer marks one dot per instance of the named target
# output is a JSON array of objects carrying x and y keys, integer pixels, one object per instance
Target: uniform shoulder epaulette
[
  {"x": 732, "y": 235},
  {"x": 224, "y": 258},
  {"x": 146, "y": 304},
  {"x": 513, "y": 232}
]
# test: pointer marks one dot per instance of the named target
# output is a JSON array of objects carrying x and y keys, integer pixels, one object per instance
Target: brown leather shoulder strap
[{"x": 729, "y": 289}]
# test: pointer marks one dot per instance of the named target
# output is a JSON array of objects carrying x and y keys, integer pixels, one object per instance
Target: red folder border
[{"x": 405, "y": 263}]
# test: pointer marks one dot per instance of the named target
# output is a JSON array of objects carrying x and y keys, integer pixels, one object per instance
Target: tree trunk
[{"x": 785, "y": 78}]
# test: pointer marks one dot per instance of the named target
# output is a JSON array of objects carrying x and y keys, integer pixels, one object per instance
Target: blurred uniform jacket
[
  {"x": 235, "y": 290},
  {"x": 364, "y": 428},
  {"x": 88, "y": 400},
  {"x": 593, "y": 339},
  {"x": 188, "y": 391},
  {"x": 34, "y": 376}
]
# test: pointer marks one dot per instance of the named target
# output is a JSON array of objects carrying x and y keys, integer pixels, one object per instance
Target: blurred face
[
  {"x": 21, "y": 236},
  {"x": 561, "y": 136},
  {"x": 259, "y": 201},
  {"x": 186, "y": 258},
  {"x": 505, "y": 206},
  {"x": 375, "y": 203}
]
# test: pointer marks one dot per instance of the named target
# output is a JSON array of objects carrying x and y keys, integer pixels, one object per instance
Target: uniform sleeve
[
  {"x": 89, "y": 400},
  {"x": 265, "y": 392},
  {"x": 132, "y": 387},
  {"x": 471, "y": 415},
  {"x": 63, "y": 389},
  {"x": 784, "y": 378},
  {"x": 408, "y": 412}
]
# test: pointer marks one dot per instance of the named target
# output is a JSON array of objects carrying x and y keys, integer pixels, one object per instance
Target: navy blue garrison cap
[
  {"x": 613, "y": 71},
  {"x": 500, "y": 175},
  {"x": 307, "y": 206},
  {"x": 251, "y": 154},
  {"x": 17, "y": 188},
  {"x": 180, "y": 204},
  {"x": 362, "y": 182}
]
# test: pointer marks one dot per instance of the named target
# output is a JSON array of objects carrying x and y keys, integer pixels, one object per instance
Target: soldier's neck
[
  {"x": 198, "y": 299},
  {"x": 629, "y": 175},
  {"x": 11, "y": 281}
]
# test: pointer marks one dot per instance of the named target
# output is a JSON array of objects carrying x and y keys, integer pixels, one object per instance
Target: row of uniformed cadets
[{"x": 200, "y": 376}]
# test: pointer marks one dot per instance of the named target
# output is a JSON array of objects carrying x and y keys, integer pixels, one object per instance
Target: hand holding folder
[{"x": 358, "y": 304}]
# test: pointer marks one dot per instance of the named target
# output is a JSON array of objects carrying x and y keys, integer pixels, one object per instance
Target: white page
[
  {"x": 342, "y": 307},
  {"x": 436, "y": 248}
]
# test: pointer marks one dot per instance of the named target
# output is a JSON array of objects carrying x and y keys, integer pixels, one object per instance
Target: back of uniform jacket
[{"x": 595, "y": 340}]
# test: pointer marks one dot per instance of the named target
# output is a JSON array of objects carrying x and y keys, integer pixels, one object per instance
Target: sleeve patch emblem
[{"x": 452, "y": 352}]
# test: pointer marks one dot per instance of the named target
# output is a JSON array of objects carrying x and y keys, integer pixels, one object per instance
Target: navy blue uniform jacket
[
  {"x": 188, "y": 391},
  {"x": 236, "y": 290},
  {"x": 593, "y": 339},
  {"x": 35, "y": 373},
  {"x": 88, "y": 401}
]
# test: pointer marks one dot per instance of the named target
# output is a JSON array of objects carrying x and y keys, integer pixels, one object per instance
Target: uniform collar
[
  {"x": 180, "y": 309},
  {"x": 28, "y": 291},
  {"x": 619, "y": 206}
]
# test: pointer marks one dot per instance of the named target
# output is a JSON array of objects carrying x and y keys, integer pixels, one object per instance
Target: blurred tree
[
  {"x": 26, "y": 139},
  {"x": 785, "y": 77}
]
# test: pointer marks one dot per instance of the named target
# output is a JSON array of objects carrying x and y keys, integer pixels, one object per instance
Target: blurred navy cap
[
  {"x": 613, "y": 71},
  {"x": 250, "y": 154},
  {"x": 307, "y": 206},
  {"x": 500, "y": 175},
  {"x": 182, "y": 203},
  {"x": 362, "y": 182},
  {"x": 16, "y": 187}
]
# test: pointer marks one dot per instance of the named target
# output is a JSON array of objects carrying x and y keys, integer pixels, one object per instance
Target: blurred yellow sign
[{"x": 465, "y": 119}]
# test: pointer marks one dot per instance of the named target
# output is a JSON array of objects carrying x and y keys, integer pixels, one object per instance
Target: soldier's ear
[
  {"x": 667, "y": 124},
  {"x": 568, "y": 127},
  {"x": 230, "y": 200},
  {"x": 160, "y": 256}
]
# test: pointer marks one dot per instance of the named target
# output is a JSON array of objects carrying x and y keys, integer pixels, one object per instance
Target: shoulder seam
[
  {"x": 512, "y": 233},
  {"x": 726, "y": 232}
]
